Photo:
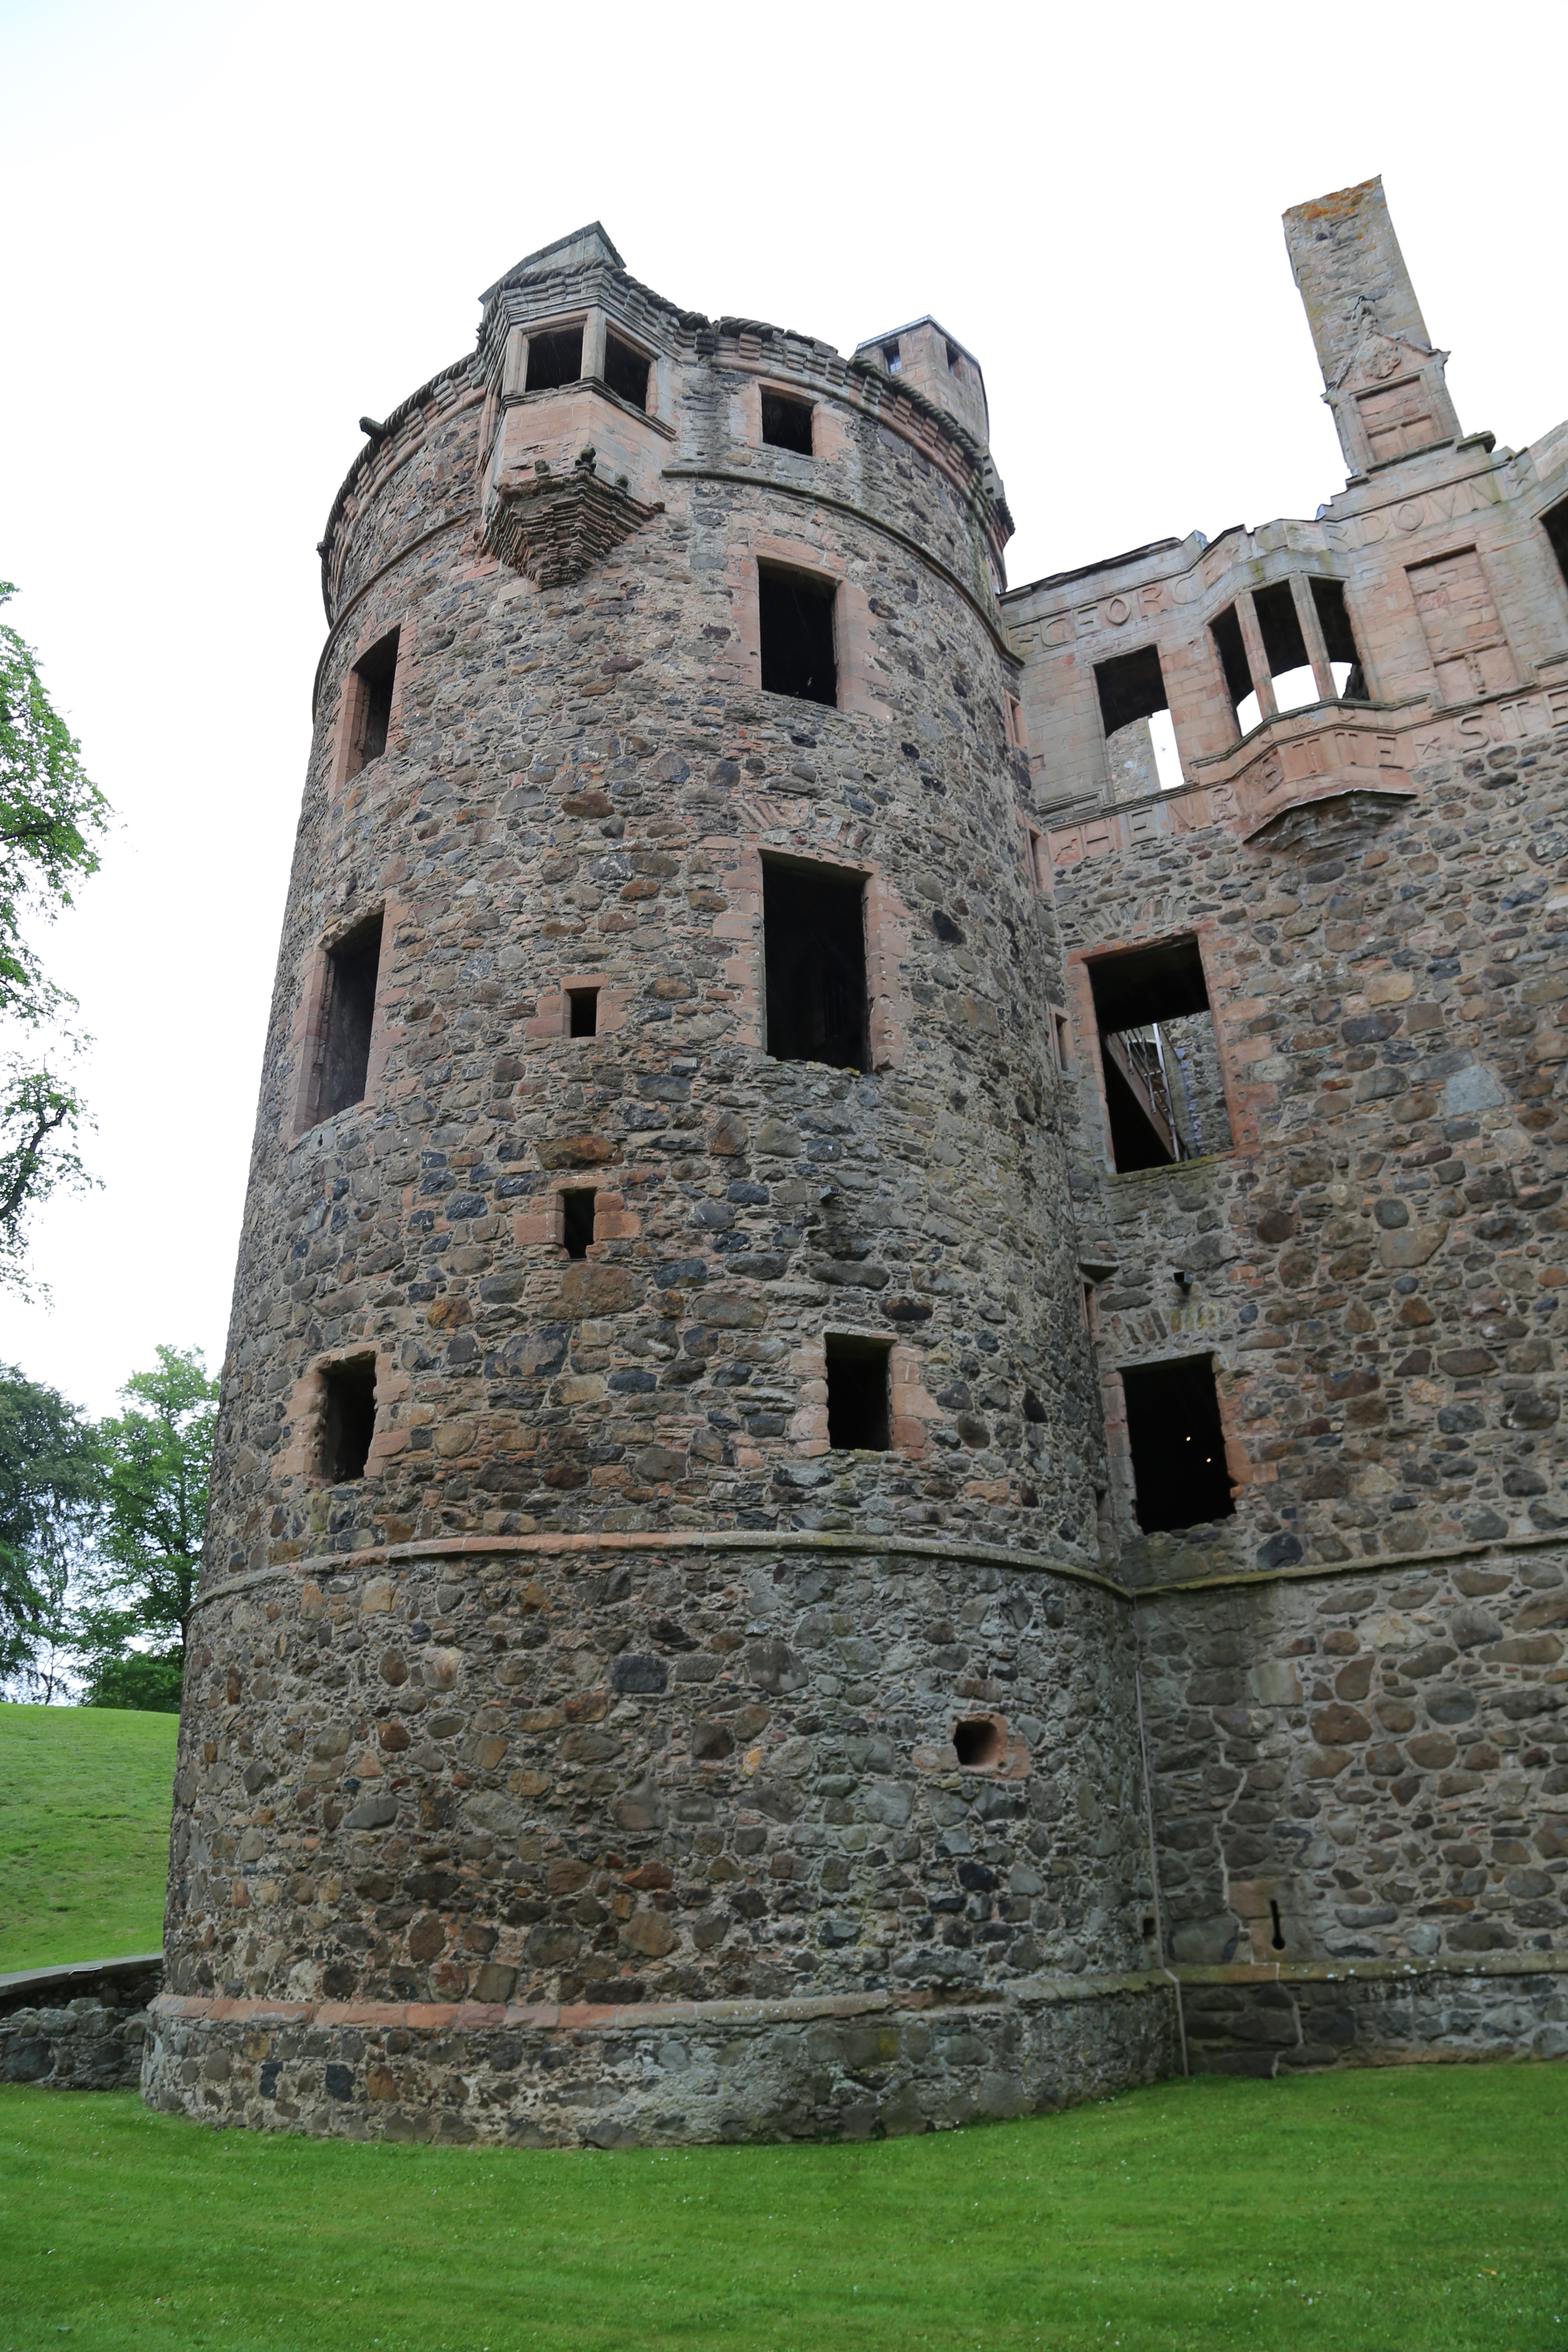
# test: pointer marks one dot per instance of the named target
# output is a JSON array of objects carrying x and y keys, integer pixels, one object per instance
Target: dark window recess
[
  {"x": 814, "y": 952},
  {"x": 858, "y": 1415},
  {"x": 892, "y": 359},
  {"x": 1178, "y": 1449},
  {"x": 376, "y": 672},
  {"x": 1339, "y": 637},
  {"x": 796, "y": 619},
  {"x": 555, "y": 359},
  {"x": 1555, "y": 524},
  {"x": 348, "y": 1424},
  {"x": 1280, "y": 625},
  {"x": 1165, "y": 1089},
  {"x": 978, "y": 1740},
  {"x": 625, "y": 371},
  {"x": 1131, "y": 687},
  {"x": 787, "y": 423},
  {"x": 352, "y": 969},
  {"x": 577, "y": 1222},
  {"x": 584, "y": 1005},
  {"x": 1227, "y": 631}
]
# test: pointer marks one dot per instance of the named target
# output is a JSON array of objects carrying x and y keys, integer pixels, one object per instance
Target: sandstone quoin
[{"x": 890, "y": 1449}]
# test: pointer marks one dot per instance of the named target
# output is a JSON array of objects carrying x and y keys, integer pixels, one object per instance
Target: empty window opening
[
  {"x": 353, "y": 967},
  {"x": 625, "y": 371},
  {"x": 796, "y": 616},
  {"x": 554, "y": 359},
  {"x": 1164, "y": 1089},
  {"x": 858, "y": 1417},
  {"x": 1230, "y": 645},
  {"x": 1148, "y": 1927},
  {"x": 1017, "y": 726},
  {"x": 582, "y": 1012},
  {"x": 1062, "y": 1041},
  {"x": 787, "y": 423},
  {"x": 1090, "y": 1307},
  {"x": 979, "y": 1740},
  {"x": 348, "y": 1420},
  {"x": 577, "y": 1221},
  {"x": 814, "y": 954},
  {"x": 1339, "y": 641},
  {"x": 1178, "y": 1447},
  {"x": 1277, "y": 1938},
  {"x": 1555, "y": 524},
  {"x": 374, "y": 674},
  {"x": 892, "y": 359},
  {"x": 1140, "y": 741}
]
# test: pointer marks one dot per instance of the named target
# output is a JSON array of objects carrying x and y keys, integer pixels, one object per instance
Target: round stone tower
[{"x": 652, "y": 1678}]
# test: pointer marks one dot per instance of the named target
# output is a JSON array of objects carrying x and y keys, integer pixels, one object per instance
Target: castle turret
[{"x": 654, "y": 1555}]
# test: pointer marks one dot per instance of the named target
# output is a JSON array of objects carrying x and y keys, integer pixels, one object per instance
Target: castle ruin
[{"x": 891, "y": 1444}]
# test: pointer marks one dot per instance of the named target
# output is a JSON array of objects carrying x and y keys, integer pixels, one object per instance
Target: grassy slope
[
  {"x": 85, "y": 1797},
  {"x": 1415, "y": 2209}
]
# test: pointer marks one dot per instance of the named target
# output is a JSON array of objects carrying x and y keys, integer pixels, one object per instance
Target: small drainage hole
[{"x": 978, "y": 1741}]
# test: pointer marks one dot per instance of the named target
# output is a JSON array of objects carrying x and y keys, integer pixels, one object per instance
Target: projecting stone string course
[{"x": 854, "y": 1168}]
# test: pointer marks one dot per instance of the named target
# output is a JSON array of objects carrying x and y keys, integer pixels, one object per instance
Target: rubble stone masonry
[{"x": 617, "y": 1757}]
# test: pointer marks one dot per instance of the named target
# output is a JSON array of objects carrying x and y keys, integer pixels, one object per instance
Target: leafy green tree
[
  {"x": 49, "y": 812},
  {"x": 50, "y": 1487},
  {"x": 140, "y": 1590}
]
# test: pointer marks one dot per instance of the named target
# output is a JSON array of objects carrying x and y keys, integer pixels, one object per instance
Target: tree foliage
[
  {"x": 50, "y": 815},
  {"x": 51, "y": 1489},
  {"x": 157, "y": 1464}
]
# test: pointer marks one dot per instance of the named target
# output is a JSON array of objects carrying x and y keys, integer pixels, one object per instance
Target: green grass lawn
[
  {"x": 1418, "y": 2210},
  {"x": 85, "y": 1797}
]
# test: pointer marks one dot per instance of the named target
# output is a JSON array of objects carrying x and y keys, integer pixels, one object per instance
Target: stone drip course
[{"x": 584, "y": 1738}]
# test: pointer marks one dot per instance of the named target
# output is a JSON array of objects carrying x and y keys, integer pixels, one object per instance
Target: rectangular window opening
[
  {"x": 1140, "y": 740},
  {"x": 1226, "y": 630},
  {"x": 786, "y": 422},
  {"x": 348, "y": 1420},
  {"x": 1285, "y": 646},
  {"x": 1173, "y": 1431},
  {"x": 1555, "y": 524},
  {"x": 814, "y": 955},
  {"x": 892, "y": 359},
  {"x": 375, "y": 672},
  {"x": 577, "y": 1221},
  {"x": 1339, "y": 640},
  {"x": 625, "y": 371},
  {"x": 353, "y": 968},
  {"x": 582, "y": 1011},
  {"x": 1164, "y": 1089},
  {"x": 796, "y": 616},
  {"x": 1062, "y": 1041},
  {"x": 554, "y": 359},
  {"x": 859, "y": 1411}
]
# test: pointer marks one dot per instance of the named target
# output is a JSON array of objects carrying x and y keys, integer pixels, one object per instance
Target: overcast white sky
[{"x": 234, "y": 230}]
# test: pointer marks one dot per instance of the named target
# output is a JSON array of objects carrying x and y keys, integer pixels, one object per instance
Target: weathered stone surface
[{"x": 613, "y": 1689}]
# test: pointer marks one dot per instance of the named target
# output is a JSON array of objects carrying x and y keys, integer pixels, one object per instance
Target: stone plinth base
[{"x": 852, "y": 2067}]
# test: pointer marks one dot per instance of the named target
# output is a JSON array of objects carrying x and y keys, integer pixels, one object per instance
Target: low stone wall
[
  {"x": 1315, "y": 2014},
  {"x": 79, "y": 2028},
  {"x": 850, "y": 2067}
]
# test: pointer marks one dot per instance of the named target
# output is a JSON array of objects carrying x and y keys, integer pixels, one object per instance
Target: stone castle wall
[{"x": 590, "y": 1769}]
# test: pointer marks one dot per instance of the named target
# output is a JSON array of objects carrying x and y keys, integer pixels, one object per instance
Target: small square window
[
  {"x": 348, "y": 1420},
  {"x": 555, "y": 359},
  {"x": 374, "y": 675},
  {"x": 625, "y": 372},
  {"x": 858, "y": 1409},
  {"x": 786, "y": 422},
  {"x": 794, "y": 614},
  {"x": 1177, "y": 1444},
  {"x": 353, "y": 967},
  {"x": 814, "y": 964},
  {"x": 577, "y": 1221},
  {"x": 582, "y": 1012}
]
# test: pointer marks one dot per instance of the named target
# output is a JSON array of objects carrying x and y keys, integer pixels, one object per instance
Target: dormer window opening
[
  {"x": 555, "y": 358},
  {"x": 625, "y": 372},
  {"x": 1140, "y": 740},
  {"x": 786, "y": 422}
]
